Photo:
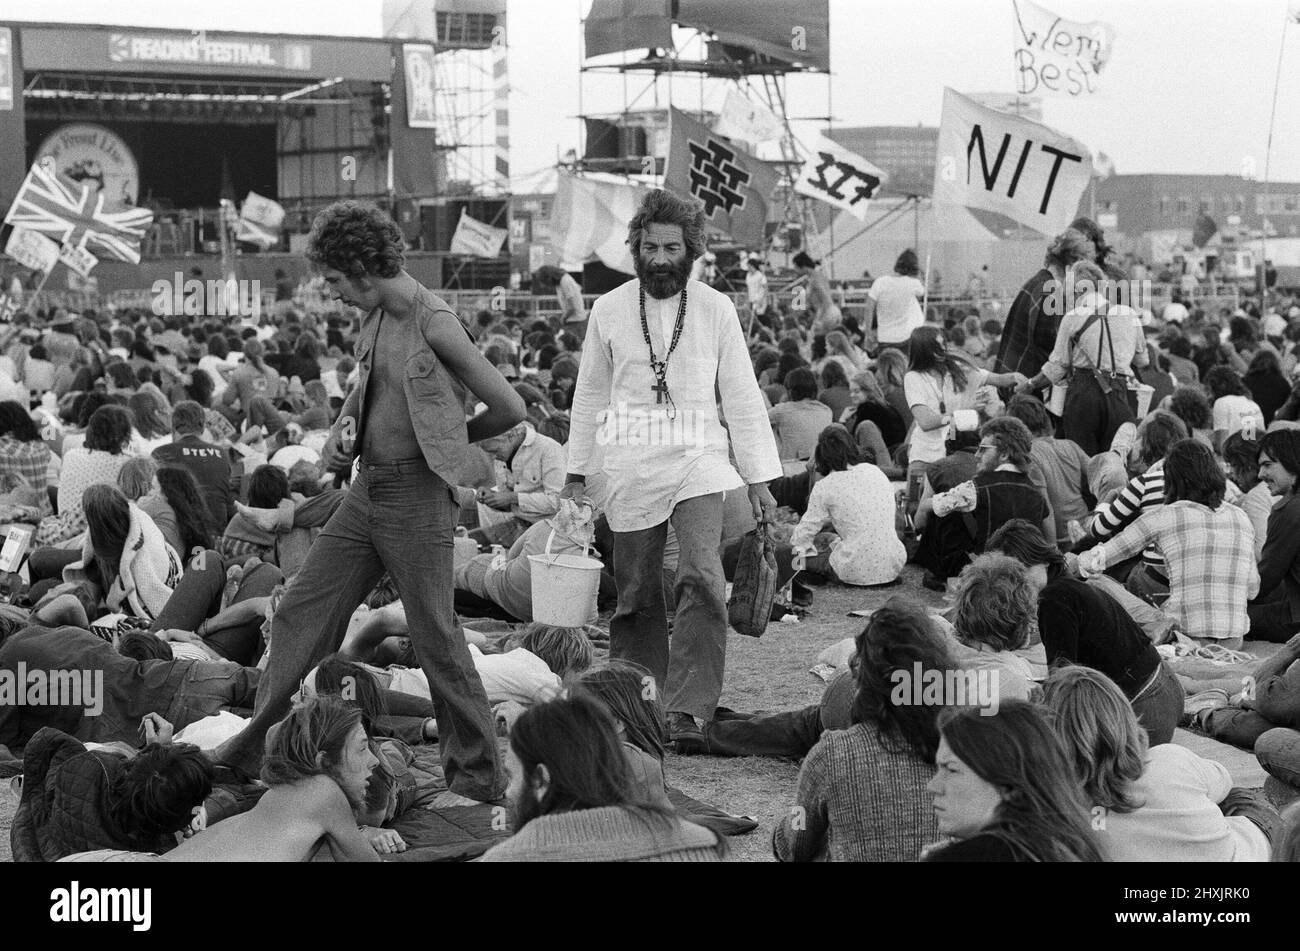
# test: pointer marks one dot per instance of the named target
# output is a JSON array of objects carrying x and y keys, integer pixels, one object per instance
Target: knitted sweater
[
  {"x": 858, "y": 802},
  {"x": 607, "y": 834}
]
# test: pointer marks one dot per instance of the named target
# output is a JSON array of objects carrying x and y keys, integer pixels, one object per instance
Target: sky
[{"x": 1188, "y": 88}]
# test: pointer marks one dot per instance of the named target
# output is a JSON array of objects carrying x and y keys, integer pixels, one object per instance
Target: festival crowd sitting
[{"x": 1108, "y": 494}]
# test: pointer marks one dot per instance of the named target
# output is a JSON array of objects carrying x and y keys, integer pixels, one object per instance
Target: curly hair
[
  {"x": 1193, "y": 474},
  {"x": 1012, "y": 437},
  {"x": 358, "y": 239},
  {"x": 661, "y": 207},
  {"x": 1190, "y": 404},
  {"x": 995, "y": 604},
  {"x": 836, "y": 450}
]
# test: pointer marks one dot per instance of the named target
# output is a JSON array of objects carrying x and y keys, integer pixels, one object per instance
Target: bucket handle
[{"x": 551, "y": 537}]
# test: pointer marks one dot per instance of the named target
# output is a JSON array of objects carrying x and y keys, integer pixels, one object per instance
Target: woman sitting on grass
[
  {"x": 1006, "y": 790},
  {"x": 861, "y": 792},
  {"x": 1157, "y": 804},
  {"x": 627, "y": 690}
]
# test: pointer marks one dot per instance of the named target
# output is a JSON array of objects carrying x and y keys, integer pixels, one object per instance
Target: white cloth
[
  {"x": 147, "y": 573},
  {"x": 859, "y": 503},
  {"x": 1174, "y": 313},
  {"x": 652, "y": 461},
  {"x": 756, "y": 288},
  {"x": 1180, "y": 820},
  {"x": 1231, "y": 413},
  {"x": 898, "y": 308},
  {"x": 517, "y": 675},
  {"x": 211, "y": 732}
]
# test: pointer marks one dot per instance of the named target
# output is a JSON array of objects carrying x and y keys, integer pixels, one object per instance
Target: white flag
[
  {"x": 260, "y": 220},
  {"x": 742, "y": 118},
  {"x": 477, "y": 238},
  {"x": 78, "y": 259},
  {"x": 840, "y": 178},
  {"x": 32, "y": 249},
  {"x": 1058, "y": 57},
  {"x": 998, "y": 162}
]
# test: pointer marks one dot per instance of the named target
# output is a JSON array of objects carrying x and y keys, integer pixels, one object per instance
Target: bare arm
[
  {"x": 329, "y": 807},
  {"x": 454, "y": 348}
]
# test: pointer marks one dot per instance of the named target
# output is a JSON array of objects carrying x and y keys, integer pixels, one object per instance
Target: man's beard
[
  {"x": 521, "y": 811},
  {"x": 663, "y": 281}
]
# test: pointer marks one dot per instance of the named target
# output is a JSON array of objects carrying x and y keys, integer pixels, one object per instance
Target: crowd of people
[{"x": 266, "y": 533}]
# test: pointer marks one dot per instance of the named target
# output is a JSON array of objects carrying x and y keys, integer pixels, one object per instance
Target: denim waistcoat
[{"x": 435, "y": 397}]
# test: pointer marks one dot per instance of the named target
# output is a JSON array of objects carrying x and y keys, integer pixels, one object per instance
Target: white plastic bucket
[
  {"x": 564, "y": 587},
  {"x": 1144, "y": 394}
]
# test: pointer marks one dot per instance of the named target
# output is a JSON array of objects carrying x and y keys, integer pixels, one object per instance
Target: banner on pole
[
  {"x": 744, "y": 119},
  {"x": 32, "y": 249},
  {"x": 421, "y": 113},
  {"x": 997, "y": 162},
  {"x": 1058, "y": 57},
  {"x": 840, "y": 178},
  {"x": 734, "y": 187},
  {"x": 477, "y": 238},
  {"x": 78, "y": 259}
]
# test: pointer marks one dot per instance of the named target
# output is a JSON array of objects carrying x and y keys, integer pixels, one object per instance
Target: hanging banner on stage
[
  {"x": 1058, "y": 57},
  {"x": 477, "y": 238},
  {"x": 421, "y": 113},
  {"x": 589, "y": 221},
  {"x": 997, "y": 162},
  {"x": 32, "y": 249},
  {"x": 6, "y": 69},
  {"x": 840, "y": 178},
  {"x": 734, "y": 187},
  {"x": 743, "y": 118}
]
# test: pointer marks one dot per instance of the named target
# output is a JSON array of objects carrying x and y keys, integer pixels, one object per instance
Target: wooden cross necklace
[{"x": 660, "y": 367}]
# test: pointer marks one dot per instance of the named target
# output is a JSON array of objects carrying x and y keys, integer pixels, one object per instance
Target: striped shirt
[
  {"x": 1143, "y": 493},
  {"x": 1210, "y": 557}
]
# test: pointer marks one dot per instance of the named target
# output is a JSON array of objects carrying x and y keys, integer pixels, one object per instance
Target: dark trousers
[
  {"x": 1160, "y": 706},
  {"x": 788, "y": 734},
  {"x": 1270, "y": 620},
  {"x": 198, "y": 597},
  {"x": 399, "y": 517},
  {"x": 689, "y": 670},
  {"x": 1092, "y": 416}
]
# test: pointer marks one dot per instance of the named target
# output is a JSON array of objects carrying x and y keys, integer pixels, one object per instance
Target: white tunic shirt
[{"x": 652, "y": 460}]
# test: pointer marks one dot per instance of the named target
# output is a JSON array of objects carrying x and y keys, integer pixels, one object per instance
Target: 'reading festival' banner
[
  {"x": 1058, "y": 57},
  {"x": 998, "y": 162}
]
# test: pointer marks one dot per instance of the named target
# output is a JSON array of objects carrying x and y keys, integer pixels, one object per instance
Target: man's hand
[
  {"x": 500, "y": 499},
  {"x": 575, "y": 488},
  {"x": 332, "y": 455},
  {"x": 761, "y": 498},
  {"x": 384, "y": 841},
  {"x": 156, "y": 730}
]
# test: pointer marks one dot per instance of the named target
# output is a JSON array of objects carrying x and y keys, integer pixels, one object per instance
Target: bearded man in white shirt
[{"x": 659, "y": 352}]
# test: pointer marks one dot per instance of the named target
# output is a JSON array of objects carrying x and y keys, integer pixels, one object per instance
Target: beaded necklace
[{"x": 660, "y": 367}]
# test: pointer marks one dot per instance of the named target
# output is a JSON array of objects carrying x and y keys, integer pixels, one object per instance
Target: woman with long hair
[
  {"x": 251, "y": 379},
  {"x": 894, "y": 302},
  {"x": 834, "y": 390},
  {"x": 99, "y": 459},
  {"x": 938, "y": 384},
  {"x": 891, "y": 369},
  {"x": 152, "y": 418},
  {"x": 638, "y": 718},
  {"x": 125, "y": 555},
  {"x": 869, "y": 405},
  {"x": 177, "y": 488},
  {"x": 861, "y": 791},
  {"x": 1151, "y": 804},
  {"x": 1267, "y": 384},
  {"x": 1006, "y": 791}
]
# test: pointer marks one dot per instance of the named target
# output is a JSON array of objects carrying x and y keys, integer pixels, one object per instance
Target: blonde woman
[{"x": 1162, "y": 803}]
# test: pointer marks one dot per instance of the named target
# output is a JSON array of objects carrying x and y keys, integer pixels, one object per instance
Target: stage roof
[{"x": 145, "y": 51}]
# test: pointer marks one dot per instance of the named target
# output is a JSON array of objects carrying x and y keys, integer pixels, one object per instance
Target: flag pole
[{"x": 1268, "y": 158}]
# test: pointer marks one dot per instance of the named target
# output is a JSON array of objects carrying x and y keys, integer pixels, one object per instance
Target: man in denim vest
[{"x": 405, "y": 419}]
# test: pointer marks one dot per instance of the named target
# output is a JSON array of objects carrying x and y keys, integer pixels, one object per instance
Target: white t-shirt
[
  {"x": 898, "y": 309},
  {"x": 1174, "y": 313},
  {"x": 1231, "y": 412},
  {"x": 925, "y": 389}
]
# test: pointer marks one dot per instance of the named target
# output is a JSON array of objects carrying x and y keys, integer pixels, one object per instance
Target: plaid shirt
[
  {"x": 1030, "y": 333},
  {"x": 1210, "y": 557},
  {"x": 29, "y": 463}
]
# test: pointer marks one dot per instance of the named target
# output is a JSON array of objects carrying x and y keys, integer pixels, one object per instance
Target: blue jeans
[
  {"x": 399, "y": 517},
  {"x": 689, "y": 670}
]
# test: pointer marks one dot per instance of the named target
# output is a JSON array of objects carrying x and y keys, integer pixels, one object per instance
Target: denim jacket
[{"x": 435, "y": 396}]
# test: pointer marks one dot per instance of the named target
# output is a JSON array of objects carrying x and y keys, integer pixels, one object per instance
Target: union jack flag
[{"x": 74, "y": 215}]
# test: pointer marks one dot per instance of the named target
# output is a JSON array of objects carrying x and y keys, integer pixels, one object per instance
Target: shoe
[
  {"x": 686, "y": 735},
  {"x": 933, "y": 582},
  {"x": 1123, "y": 440},
  {"x": 1199, "y": 704}
]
